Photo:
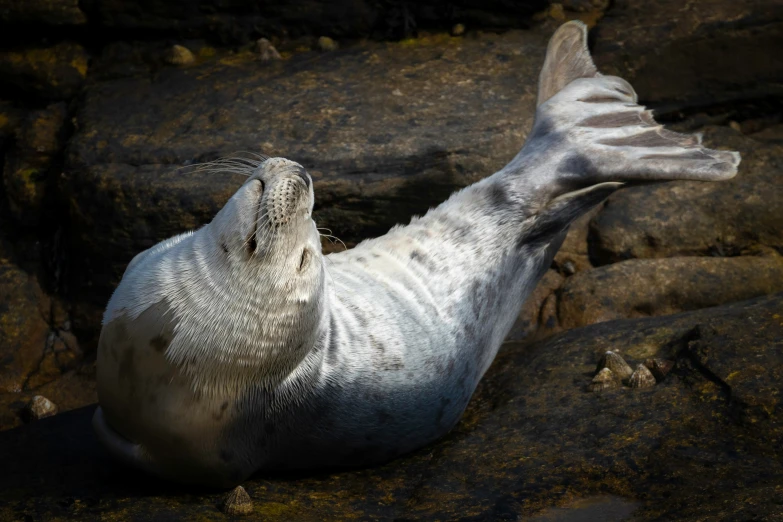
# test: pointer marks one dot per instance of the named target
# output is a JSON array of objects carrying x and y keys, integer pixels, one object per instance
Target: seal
[{"x": 240, "y": 347}]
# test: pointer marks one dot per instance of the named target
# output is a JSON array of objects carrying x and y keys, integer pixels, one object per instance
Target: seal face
[{"x": 240, "y": 346}]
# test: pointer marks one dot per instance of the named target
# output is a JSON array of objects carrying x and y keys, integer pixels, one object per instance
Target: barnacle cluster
[{"x": 613, "y": 372}]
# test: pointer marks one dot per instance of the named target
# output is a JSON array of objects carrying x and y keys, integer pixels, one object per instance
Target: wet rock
[
  {"x": 702, "y": 445},
  {"x": 720, "y": 219},
  {"x": 376, "y": 158},
  {"x": 179, "y": 55},
  {"x": 645, "y": 287},
  {"x": 51, "y": 12},
  {"x": 709, "y": 53},
  {"x": 40, "y": 407},
  {"x": 56, "y": 72},
  {"x": 27, "y": 173}
]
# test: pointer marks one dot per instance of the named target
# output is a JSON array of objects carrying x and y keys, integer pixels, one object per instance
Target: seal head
[{"x": 254, "y": 275}]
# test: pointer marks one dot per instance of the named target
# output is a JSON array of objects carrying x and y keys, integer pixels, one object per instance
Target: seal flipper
[
  {"x": 121, "y": 448},
  {"x": 603, "y": 134},
  {"x": 567, "y": 58}
]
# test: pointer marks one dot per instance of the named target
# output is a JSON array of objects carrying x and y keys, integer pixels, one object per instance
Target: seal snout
[{"x": 287, "y": 197}]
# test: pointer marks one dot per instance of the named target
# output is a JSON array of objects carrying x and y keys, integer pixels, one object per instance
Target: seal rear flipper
[
  {"x": 600, "y": 132},
  {"x": 121, "y": 448}
]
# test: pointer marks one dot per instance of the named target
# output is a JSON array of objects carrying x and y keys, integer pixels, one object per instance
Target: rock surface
[
  {"x": 238, "y": 20},
  {"x": 693, "y": 54},
  {"x": 646, "y": 287},
  {"x": 705, "y": 444},
  {"x": 51, "y": 12},
  {"x": 49, "y": 72},
  {"x": 27, "y": 171},
  {"x": 23, "y": 326}
]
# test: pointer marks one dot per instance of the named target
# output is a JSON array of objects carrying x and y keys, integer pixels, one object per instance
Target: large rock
[
  {"x": 52, "y": 12},
  {"x": 56, "y": 72},
  {"x": 646, "y": 287},
  {"x": 71, "y": 390},
  {"x": 385, "y": 130},
  {"x": 693, "y": 218},
  {"x": 23, "y": 327},
  {"x": 704, "y": 53},
  {"x": 238, "y": 20},
  {"x": 704, "y": 444},
  {"x": 27, "y": 173}
]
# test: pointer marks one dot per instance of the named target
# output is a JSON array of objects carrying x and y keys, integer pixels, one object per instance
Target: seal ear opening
[{"x": 567, "y": 59}]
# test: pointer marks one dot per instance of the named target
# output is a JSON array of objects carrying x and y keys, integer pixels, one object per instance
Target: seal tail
[{"x": 607, "y": 135}]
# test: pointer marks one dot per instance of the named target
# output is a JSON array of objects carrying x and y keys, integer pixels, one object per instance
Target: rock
[
  {"x": 56, "y": 72},
  {"x": 660, "y": 368},
  {"x": 327, "y": 44},
  {"x": 69, "y": 391},
  {"x": 11, "y": 116},
  {"x": 23, "y": 329},
  {"x": 557, "y": 13},
  {"x": 645, "y": 287},
  {"x": 536, "y": 319},
  {"x": 51, "y": 12},
  {"x": 721, "y": 219},
  {"x": 40, "y": 407},
  {"x": 27, "y": 172},
  {"x": 582, "y": 6},
  {"x": 458, "y": 30},
  {"x": 573, "y": 255},
  {"x": 710, "y": 53},
  {"x": 238, "y": 502},
  {"x": 267, "y": 51},
  {"x": 703, "y": 445},
  {"x": 241, "y": 21},
  {"x": 376, "y": 158},
  {"x": 179, "y": 55}
]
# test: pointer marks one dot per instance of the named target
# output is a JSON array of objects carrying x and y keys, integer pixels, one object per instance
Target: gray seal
[{"x": 240, "y": 347}]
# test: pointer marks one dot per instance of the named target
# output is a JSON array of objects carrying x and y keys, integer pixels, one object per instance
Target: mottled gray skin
[{"x": 393, "y": 335}]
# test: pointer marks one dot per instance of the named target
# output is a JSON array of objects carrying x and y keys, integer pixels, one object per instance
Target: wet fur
[{"x": 233, "y": 364}]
